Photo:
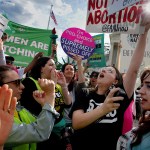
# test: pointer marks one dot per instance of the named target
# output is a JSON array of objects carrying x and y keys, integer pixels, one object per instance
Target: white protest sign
[
  {"x": 125, "y": 21},
  {"x": 117, "y": 5},
  {"x": 3, "y": 24},
  {"x": 128, "y": 44}
]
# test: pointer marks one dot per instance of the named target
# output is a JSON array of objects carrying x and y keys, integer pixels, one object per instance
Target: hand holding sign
[
  {"x": 75, "y": 41},
  {"x": 145, "y": 21}
]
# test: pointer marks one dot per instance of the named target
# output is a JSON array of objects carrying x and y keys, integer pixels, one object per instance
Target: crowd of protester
[{"x": 44, "y": 108}]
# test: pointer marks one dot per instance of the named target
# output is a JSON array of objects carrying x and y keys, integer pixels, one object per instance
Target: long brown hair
[
  {"x": 144, "y": 122},
  {"x": 72, "y": 82},
  {"x": 118, "y": 77}
]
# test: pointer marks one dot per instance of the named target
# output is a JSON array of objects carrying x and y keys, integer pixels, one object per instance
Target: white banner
[
  {"x": 128, "y": 43},
  {"x": 125, "y": 21},
  {"x": 117, "y": 5},
  {"x": 3, "y": 24}
]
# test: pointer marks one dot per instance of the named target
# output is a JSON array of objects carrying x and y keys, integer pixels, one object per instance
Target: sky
[{"x": 35, "y": 13}]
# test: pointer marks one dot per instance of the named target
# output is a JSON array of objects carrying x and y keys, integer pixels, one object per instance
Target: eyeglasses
[{"x": 16, "y": 82}]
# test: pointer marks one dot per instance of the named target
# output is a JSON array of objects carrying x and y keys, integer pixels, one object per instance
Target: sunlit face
[
  {"x": 69, "y": 71},
  {"x": 13, "y": 82},
  {"x": 145, "y": 94},
  {"x": 107, "y": 76},
  {"x": 46, "y": 70}
]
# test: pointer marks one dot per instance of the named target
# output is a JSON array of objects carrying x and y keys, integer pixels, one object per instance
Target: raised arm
[
  {"x": 2, "y": 55},
  {"x": 136, "y": 60},
  {"x": 33, "y": 62},
  {"x": 81, "y": 78},
  {"x": 62, "y": 82},
  {"x": 39, "y": 130}
]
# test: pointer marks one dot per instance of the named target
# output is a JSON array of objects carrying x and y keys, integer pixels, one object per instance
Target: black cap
[
  {"x": 94, "y": 73},
  {"x": 9, "y": 58}
]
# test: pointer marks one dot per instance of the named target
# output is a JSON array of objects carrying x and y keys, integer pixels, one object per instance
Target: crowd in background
[{"x": 45, "y": 108}]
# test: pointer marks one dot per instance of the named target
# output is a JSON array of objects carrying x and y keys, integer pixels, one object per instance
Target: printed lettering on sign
[
  {"x": 117, "y": 5},
  {"x": 75, "y": 41},
  {"x": 126, "y": 20}
]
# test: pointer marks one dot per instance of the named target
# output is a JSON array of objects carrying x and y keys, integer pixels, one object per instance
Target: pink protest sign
[{"x": 75, "y": 41}]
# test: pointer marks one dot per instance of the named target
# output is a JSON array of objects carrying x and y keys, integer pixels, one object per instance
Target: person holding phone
[{"x": 97, "y": 118}]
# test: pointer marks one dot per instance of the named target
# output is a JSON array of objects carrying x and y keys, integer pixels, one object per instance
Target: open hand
[{"x": 7, "y": 109}]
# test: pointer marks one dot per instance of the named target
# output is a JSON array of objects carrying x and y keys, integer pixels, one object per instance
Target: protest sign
[
  {"x": 24, "y": 43},
  {"x": 3, "y": 24},
  {"x": 97, "y": 60},
  {"x": 75, "y": 41},
  {"x": 128, "y": 44},
  {"x": 117, "y": 5},
  {"x": 125, "y": 21}
]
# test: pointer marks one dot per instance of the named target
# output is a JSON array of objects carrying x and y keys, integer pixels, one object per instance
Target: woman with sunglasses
[
  {"x": 28, "y": 129},
  {"x": 139, "y": 137},
  {"x": 93, "y": 79},
  {"x": 97, "y": 116}
]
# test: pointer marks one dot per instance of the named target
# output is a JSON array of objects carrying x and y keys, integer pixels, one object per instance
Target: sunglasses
[
  {"x": 94, "y": 76},
  {"x": 9, "y": 62},
  {"x": 16, "y": 82}
]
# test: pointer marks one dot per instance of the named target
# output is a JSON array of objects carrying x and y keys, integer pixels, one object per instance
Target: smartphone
[{"x": 120, "y": 92}]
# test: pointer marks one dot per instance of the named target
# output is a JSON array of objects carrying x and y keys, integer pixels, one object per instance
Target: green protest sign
[
  {"x": 97, "y": 60},
  {"x": 24, "y": 43}
]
